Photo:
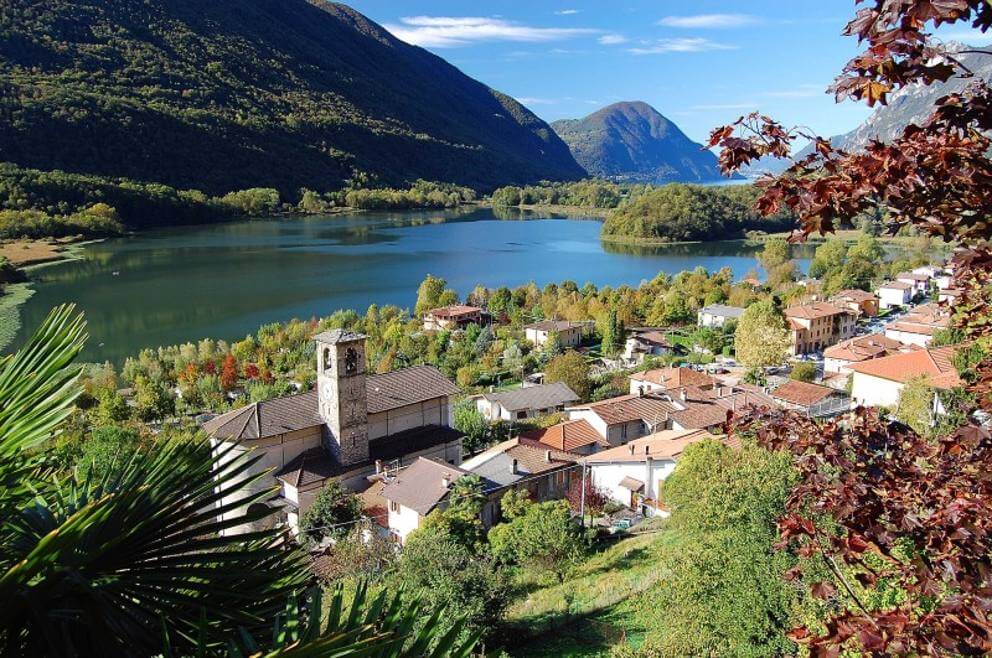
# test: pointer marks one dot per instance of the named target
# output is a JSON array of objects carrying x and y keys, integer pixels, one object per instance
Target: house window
[
  {"x": 521, "y": 414},
  {"x": 394, "y": 506},
  {"x": 623, "y": 431}
]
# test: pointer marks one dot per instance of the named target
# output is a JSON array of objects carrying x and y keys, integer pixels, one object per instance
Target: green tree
[
  {"x": 613, "y": 334},
  {"x": 572, "y": 369},
  {"x": 439, "y": 569},
  {"x": 544, "y": 536},
  {"x": 803, "y": 371},
  {"x": 433, "y": 293},
  {"x": 332, "y": 514},
  {"x": 775, "y": 253},
  {"x": 915, "y": 406},
  {"x": 111, "y": 408},
  {"x": 761, "y": 338},
  {"x": 151, "y": 400},
  {"x": 467, "y": 419},
  {"x": 829, "y": 256},
  {"x": 724, "y": 594},
  {"x": 108, "y": 447}
]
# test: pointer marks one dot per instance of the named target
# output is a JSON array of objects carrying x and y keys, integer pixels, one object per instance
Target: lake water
[{"x": 224, "y": 280}]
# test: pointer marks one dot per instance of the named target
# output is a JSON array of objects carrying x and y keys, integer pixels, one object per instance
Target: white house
[
  {"x": 527, "y": 402},
  {"x": 918, "y": 327},
  {"x": 633, "y": 475},
  {"x": 716, "y": 315},
  {"x": 569, "y": 333},
  {"x": 894, "y": 294},
  {"x": 878, "y": 382},
  {"x": 919, "y": 281},
  {"x": 642, "y": 344}
]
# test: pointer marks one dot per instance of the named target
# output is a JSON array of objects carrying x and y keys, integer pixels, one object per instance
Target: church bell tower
[{"x": 341, "y": 396}]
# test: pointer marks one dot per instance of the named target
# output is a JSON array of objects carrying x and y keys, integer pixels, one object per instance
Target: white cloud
[
  {"x": 684, "y": 45},
  {"x": 612, "y": 39},
  {"x": 455, "y": 31},
  {"x": 527, "y": 100},
  {"x": 566, "y": 12},
  {"x": 709, "y": 21}
]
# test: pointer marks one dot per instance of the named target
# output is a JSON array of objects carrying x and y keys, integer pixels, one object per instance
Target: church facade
[{"x": 349, "y": 429}]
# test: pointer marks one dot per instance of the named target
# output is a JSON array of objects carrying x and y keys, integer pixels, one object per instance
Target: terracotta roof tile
[
  {"x": 626, "y": 408},
  {"x": 674, "y": 377},
  {"x": 421, "y": 485},
  {"x": 567, "y": 436},
  {"x": 666, "y": 444},
  {"x": 454, "y": 311},
  {"x": 935, "y": 364},
  {"x": 803, "y": 394},
  {"x": 814, "y": 310},
  {"x": 855, "y": 295},
  {"x": 862, "y": 348}
]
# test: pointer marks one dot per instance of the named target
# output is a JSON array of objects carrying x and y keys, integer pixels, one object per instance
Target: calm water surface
[{"x": 224, "y": 280}]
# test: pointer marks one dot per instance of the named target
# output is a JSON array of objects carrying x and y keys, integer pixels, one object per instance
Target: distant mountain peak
[{"x": 631, "y": 140}]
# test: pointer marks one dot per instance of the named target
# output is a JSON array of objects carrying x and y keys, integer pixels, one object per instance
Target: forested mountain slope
[
  {"x": 231, "y": 94},
  {"x": 632, "y": 141}
]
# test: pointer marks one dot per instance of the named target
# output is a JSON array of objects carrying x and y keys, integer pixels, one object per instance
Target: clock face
[{"x": 351, "y": 361}]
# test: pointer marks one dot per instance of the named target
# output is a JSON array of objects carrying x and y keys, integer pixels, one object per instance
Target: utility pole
[{"x": 582, "y": 498}]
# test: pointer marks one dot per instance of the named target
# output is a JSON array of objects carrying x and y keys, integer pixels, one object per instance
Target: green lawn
[{"x": 594, "y": 609}]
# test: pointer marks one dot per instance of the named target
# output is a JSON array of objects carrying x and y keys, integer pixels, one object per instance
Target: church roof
[
  {"x": 384, "y": 392},
  {"x": 339, "y": 336},
  {"x": 318, "y": 464}
]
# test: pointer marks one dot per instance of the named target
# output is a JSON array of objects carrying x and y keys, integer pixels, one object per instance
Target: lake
[{"x": 224, "y": 280}]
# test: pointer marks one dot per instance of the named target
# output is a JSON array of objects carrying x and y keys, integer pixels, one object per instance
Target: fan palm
[{"x": 137, "y": 562}]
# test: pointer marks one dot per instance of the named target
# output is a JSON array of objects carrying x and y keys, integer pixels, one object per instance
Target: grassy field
[
  {"x": 13, "y": 296},
  {"x": 596, "y": 608}
]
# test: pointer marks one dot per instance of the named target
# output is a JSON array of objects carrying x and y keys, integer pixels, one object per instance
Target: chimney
[
  {"x": 514, "y": 467},
  {"x": 446, "y": 481},
  {"x": 683, "y": 395},
  {"x": 547, "y": 456},
  {"x": 378, "y": 466},
  {"x": 640, "y": 391}
]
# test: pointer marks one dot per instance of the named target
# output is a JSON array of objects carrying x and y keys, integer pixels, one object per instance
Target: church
[{"x": 351, "y": 427}]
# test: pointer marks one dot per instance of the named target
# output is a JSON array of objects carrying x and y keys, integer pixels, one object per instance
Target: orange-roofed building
[
  {"x": 878, "y": 382},
  {"x": 574, "y": 436},
  {"x": 456, "y": 316},
  {"x": 816, "y": 326},
  {"x": 634, "y": 474}
]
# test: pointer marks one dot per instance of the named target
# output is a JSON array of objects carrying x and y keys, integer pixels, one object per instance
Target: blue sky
[{"x": 701, "y": 63}]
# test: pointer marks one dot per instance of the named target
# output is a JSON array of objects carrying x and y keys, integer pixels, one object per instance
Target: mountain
[
  {"x": 231, "y": 94},
  {"x": 912, "y": 104},
  {"x": 633, "y": 141}
]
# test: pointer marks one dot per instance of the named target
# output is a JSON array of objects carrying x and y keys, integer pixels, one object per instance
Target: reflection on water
[{"x": 225, "y": 280}]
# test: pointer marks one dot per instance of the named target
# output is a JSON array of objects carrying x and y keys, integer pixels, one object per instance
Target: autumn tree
[
  {"x": 433, "y": 293},
  {"x": 889, "y": 510},
  {"x": 229, "y": 372},
  {"x": 572, "y": 369},
  {"x": 592, "y": 501},
  {"x": 761, "y": 338}
]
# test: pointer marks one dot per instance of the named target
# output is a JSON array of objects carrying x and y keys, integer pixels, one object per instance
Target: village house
[
  {"x": 811, "y": 399},
  {"x": 633, "y": 475},
  {"x": 816, "y": 326},
  {"x": 918, "y": 326},
  {"x": 527, "y": 465},
  {"x": 570, "y": 334},
  {"x": 573, "y": 436},
  {"x": 454, "y": 317},
  {"x": 527, "y": 402},
  {"x": 669, "y": 379},
  {"x": 836, "y": 359},
  {"x": 919, "y": 280},
  {"x": 351, "y": 427},
  {"x": 422, "y": 487},
  {"x": 864, "y": 304},
  {"x": 642, "y": 344},
  {"x": 717, "y": 315},
  {"x": 894, "y": 294},
  {"x": 878, "y": 382},
  {"x": 943, "y": 279},
  {"x": 621, "y": 419},
  {"x": 950, "y": 296}
]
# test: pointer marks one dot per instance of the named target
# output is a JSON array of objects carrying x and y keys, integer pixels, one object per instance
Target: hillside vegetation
[
  {"x": 678, "y": 212},
  {"x": 237, "y": 94},
  {"x": 632, "y": 141}
]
